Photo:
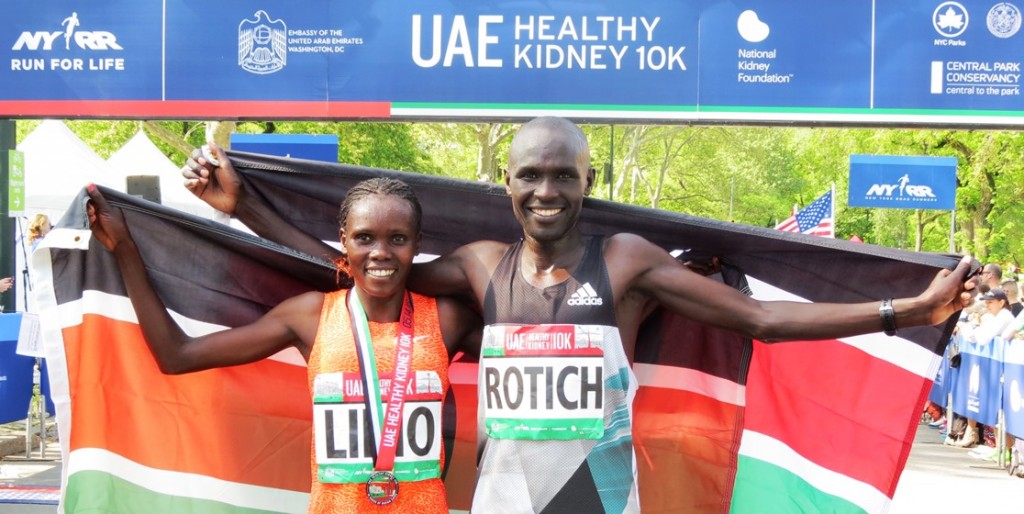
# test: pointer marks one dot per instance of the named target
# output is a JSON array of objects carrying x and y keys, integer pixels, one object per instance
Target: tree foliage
[{"x": 752, "y": 175}]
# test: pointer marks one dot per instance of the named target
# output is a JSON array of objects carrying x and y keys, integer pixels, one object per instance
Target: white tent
[
  {"x": 139, "y": 156},
  {"x": 57, "y": 166}
]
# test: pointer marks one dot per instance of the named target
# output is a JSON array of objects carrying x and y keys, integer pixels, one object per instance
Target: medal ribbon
[{"x": 386, "y": 425}]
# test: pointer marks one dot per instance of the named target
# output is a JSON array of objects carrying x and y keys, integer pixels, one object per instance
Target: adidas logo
[{"x": 585, "y": 295}]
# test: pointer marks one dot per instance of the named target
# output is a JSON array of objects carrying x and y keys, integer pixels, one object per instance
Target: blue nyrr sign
[{"x": 902, "y": 182}]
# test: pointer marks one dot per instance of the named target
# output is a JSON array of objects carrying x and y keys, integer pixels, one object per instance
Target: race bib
[
  {"x": 342, "y": 432},
  {"x": 543, "y": 382}
]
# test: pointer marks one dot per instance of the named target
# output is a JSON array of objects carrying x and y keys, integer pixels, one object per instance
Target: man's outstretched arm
[{"x": 707, "y": 301}]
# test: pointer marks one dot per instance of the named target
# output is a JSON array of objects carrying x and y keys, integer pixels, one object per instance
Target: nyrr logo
[
  {"x": 83, "y": 39},
  {"x": 262, "y": 44},
  {"x": 903, "y": 187}
]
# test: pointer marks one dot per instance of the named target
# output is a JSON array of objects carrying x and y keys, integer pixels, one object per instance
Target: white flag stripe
[
  {"x": 762, "y": 447},
  {"x": 188, "y": 485},
  {"x": 53, "y": 347},
  {"x": 686, "y": 379},
  {"x": 895, "y": 350},
  {"x": 120, "y": 308}
]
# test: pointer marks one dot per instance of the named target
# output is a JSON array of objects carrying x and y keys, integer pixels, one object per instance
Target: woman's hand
[{"x": 106, "y": 222}]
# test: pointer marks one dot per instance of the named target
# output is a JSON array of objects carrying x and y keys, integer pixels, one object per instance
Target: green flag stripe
[
  {"x": 764, "y": 488},
  {"x": 762, "y": 448},
  {"x": 96, "y": 492}
]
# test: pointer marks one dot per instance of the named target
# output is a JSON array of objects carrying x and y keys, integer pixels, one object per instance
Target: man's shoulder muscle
[
  {"x": 495, "y": 249},
  {"x": 628, "y": 255},
  {"x": 478, "y": 260},
  {"x": 480, "y": 256},
  {"x": 629, "y": 259}
]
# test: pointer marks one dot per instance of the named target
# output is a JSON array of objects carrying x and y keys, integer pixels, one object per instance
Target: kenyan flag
[{"x": 722, "y": 424}]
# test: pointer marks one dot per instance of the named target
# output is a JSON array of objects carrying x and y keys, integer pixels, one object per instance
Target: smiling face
[
  {"x": 380, "y": 239},
  {"x": 549, "y": 175}
]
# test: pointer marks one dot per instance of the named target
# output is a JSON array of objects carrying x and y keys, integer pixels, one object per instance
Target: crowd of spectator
[{"x": 996, "y": 317}]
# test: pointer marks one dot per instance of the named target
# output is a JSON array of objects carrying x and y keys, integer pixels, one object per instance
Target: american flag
[{"x": 815, "y": 219}]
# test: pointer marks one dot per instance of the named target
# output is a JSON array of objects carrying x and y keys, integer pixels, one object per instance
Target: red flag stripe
[
  {"x": 789, "y": 225},
  {"x": 186, "y": 418},
  {"x": 835, "y": 405},
  {"x": 685, "y": 458}
]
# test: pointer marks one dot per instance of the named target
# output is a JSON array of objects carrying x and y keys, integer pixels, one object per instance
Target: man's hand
[
  {"x": 6, "y": 283},
  {"x": 949, "y": 291},
  {"x": 706, "y": 267},
  {"x": 106, "y": 222},
  {"x": 218, "y": 186}
]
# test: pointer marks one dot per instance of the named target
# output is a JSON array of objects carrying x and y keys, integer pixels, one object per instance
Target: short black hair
[{"x": 384, "y": 187}]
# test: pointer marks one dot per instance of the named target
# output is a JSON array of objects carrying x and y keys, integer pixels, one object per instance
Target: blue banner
[
  {"x": 15, "y": 372},
  {"x": 943, "y": 378},
  {"x": 948, "y": 55},
  {"x": 978, "y": 383},
  {"x": 314, "y": 147},
  {"x": 773, "y": 57},
  {"x": 73, "y": 51},
  {"x": 902, "y": 182},
  {"x": 1013, "y": 388},
  {"x": 715, "y": 60}
]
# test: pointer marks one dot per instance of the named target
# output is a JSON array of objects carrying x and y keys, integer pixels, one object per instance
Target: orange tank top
[{"x": 334, "y": 351}]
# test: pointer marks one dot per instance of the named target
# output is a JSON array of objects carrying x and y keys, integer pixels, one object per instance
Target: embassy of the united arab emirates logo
[{"x": 262, "y": 44}]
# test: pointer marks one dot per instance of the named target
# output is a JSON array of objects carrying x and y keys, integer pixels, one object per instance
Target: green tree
[
  {"x": 471, "y": 151},
  {"x": 752, "y": 175}
]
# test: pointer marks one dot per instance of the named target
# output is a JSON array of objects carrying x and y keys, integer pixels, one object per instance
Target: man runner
[{"x": 561, "y": 313}]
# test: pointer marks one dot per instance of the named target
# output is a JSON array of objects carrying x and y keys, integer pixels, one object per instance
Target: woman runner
[{"x": 409, "y": 337}]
